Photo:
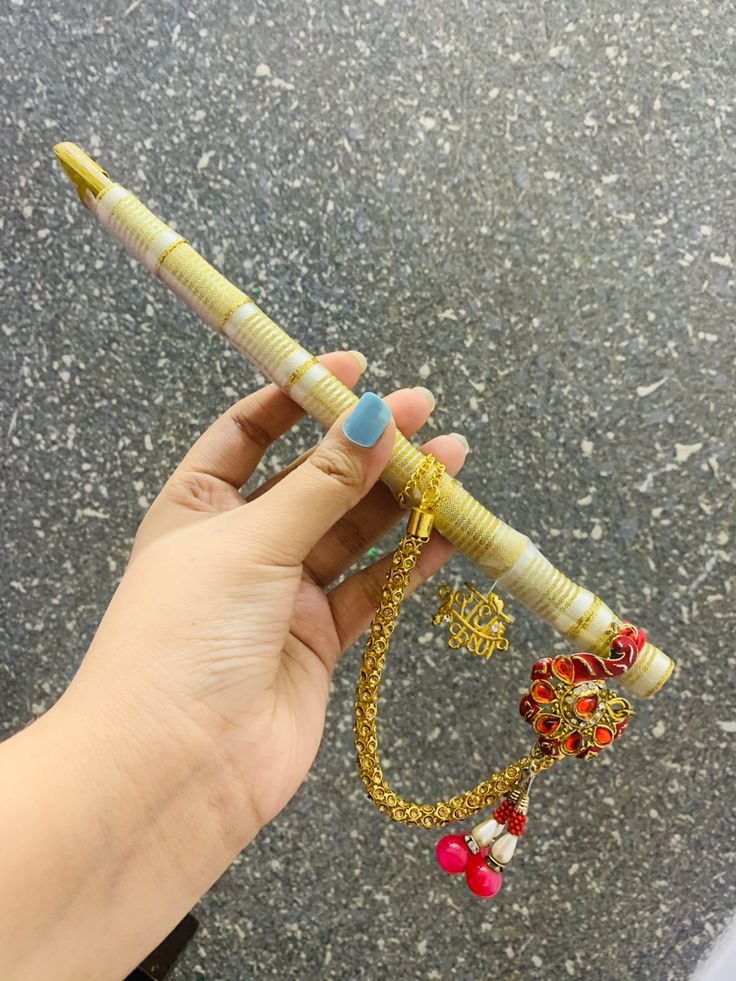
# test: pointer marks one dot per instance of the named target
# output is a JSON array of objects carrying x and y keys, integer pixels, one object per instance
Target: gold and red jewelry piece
[
  {"x": 573, "y": 713},
  {"x": 568, "y": 705}
]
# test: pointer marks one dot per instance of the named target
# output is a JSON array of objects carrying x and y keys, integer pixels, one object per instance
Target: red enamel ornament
[
  {"x": 549, "y": 747},
  {"x": 528, "y": 707},
  {"x": 545, "y": 725},
  {"x": 542, "y": 692},
  {"x": 592, "y": 667},
  {"x": 620, "y": 726},
  {"x": 568, "y": 699},
  {"x": 603, "y": 735},
  {"x": 573, "y": 743},
  {"x": 541, "y": 668},
  {"x": 623, "y": 646},
  {"x": 562, "y": 668}
]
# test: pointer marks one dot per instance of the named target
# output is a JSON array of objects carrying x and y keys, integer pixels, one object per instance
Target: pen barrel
[{"x": 502, "y": 553}]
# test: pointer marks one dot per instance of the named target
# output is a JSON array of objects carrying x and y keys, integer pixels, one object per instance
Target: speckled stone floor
[{"x": 530, "y": 209}]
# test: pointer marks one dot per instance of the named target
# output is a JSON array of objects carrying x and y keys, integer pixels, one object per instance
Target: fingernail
[
  {"x": 462, "y": 441},
  {"x": 367, "y": 421},
  {"x": 428, "y": 396},
  {"x": 361, "y": 359}
]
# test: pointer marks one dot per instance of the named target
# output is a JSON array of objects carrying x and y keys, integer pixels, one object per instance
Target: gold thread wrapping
[
  {"x": 170, "y": 248},
  {"x": 204, "y": 282},
  {"x": 583, "y": 622},
  {"x": 658, "y": 684},
  {"x": 300, "y": 372}
]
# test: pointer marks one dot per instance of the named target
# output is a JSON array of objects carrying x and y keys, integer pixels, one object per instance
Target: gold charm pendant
[{"x": 477, "y": 622}]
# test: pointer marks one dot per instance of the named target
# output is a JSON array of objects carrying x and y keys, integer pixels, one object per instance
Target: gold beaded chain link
[{"x": 429, "y": 474}]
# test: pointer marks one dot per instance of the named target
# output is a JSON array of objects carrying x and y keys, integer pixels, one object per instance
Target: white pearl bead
[
  {"x": 486, "y": 831},
  {"x": 503, "y": 848}
]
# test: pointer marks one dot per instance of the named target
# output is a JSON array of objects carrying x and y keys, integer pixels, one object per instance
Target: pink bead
[
  {"x": 452, "y": 854},
  {"x": 482, "y": 880}
]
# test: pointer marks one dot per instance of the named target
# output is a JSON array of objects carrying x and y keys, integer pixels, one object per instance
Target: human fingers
[
  {"x": 287, "y": 522},
  {"x": 372, "y": 517},
  {"x": 410, "y": 407},
  {"x": 232, "y": 447}
]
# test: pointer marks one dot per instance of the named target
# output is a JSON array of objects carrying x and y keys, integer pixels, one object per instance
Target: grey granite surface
[{"x": 528, "y": 207}]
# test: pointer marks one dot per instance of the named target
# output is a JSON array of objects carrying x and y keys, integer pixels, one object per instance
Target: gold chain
[
  {"x": 430, "y": 494},
  {"x": 374, "y": 659}
]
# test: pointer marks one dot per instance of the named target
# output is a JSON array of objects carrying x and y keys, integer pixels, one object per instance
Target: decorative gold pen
[{"x": 503, "y": 554}]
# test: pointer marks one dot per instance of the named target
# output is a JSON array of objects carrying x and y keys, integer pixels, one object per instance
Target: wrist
[
  {"x": 158, "y": 760},
  {"x": 125, "y": 824}
]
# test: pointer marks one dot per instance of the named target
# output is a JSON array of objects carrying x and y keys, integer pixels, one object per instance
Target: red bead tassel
[
  {"x": 504, "y": 811},
  {"x": 515, "y": 824}
]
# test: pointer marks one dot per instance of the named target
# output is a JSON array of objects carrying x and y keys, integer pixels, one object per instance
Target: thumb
[{"x": 294, "y": 515}]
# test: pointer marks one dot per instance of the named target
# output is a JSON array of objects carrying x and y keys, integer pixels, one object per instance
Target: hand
[
  {"x": 199, "y": 706},
  {"x": 224, "y": 625}
]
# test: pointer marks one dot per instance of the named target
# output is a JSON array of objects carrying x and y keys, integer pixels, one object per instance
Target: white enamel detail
[
  {"x": 236, "y": 319},
  {"x": 294, "y": 361},
  {"x": 595, "y": 630},
  {"x": 514, "y": 577},
  {"x": 656, "y": 670},
  {"x": 577, "y": 609},
  {"x": 486, "y": 831},
  {"x": 152, "y": 259},
  {"x": 503, "y": 848},
  {"x": 105, "y": 204}
]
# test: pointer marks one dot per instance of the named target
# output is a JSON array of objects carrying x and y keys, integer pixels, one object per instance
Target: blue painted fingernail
[{"x": 367, "y": 421}]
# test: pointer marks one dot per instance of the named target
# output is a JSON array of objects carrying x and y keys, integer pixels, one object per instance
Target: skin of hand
[{"x": 200, "y": 704}]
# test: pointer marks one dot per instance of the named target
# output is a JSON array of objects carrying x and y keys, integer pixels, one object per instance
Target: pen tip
[{"x": 86, "y": 175}]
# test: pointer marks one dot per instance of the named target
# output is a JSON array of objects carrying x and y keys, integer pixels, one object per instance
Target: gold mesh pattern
[
  {"x": 204, "y": 282},
  {"x": 134, "y": 223}
]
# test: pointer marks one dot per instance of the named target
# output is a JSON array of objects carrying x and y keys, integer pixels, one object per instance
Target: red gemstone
[
  {"x": 585, "y": 707},
  {"x": 527, "y": 708},
  {"x": 452, "y": 854},
  {"x": 574, "y": 743},
  {"x": 541, "y": 668},
  {"x": 563, "y": 668},
  {"x": 546, "y": 724},
  {"x": 542, "y": 692},
  {"x": 603, "y": 736},
  {"x": 482, "y": 880},
  {"x": 548, "y": 747},
  {"x": 623, "y": 646}
]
